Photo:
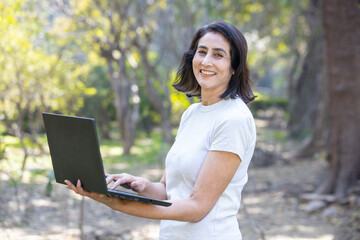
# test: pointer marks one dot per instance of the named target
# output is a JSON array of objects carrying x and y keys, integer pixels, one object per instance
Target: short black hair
[{"x": 239, "y": 84}]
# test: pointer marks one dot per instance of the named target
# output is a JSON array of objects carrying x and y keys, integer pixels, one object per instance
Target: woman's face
[{"x": 212, "y": 63}]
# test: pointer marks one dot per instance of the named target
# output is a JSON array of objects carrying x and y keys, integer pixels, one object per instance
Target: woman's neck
[
  {"x": 210, "y": 97},
  {"x": 209, "y": 100}
]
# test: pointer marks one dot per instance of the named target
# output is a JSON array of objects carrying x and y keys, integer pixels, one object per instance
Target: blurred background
[{"x": 115, "y": 61}]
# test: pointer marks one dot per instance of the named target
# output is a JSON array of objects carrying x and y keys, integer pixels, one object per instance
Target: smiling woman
[
  {"x": 212, "y": 66},
  {"x": 206, "y": 167},
  {"x": 226, "y": 35}
]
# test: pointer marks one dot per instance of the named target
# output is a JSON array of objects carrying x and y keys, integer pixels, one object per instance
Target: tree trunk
[
  {"x": 161, "y": 104},
  {"x": 307, "y": 106},
  {"x": 163, "y": 108},
  {"x": 341, "y": 21},
  {"x": 127, "y": 112}
]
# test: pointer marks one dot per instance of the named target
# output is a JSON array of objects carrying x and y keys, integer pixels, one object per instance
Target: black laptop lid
[{"x": 74, "y": 150}]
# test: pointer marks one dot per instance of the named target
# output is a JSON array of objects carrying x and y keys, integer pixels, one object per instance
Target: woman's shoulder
[
  {"x": 237, "y": 108},
  {"x": 193, "y": 106},
  {"x": 188, "y": 112},
  {"x": 237, "y": 115},
  {"x": 191, "y": 109}
]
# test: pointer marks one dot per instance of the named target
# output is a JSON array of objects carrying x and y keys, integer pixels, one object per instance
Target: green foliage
[
  {"x": 272, "y": 40},
  {"x": 98, "y": 99},
  {"x": 53, "y": 61},
  {"x": 12, "y": 159},
  {"x": 2, "y": 149},
  {"x": 33, "y": 78},
  {"x": 50, "y": 70},
  {"x": 263, "y": 102},
  {"x": 148, "y": 149}
]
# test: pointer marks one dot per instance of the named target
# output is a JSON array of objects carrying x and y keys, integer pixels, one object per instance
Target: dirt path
[
  {"x": 276, "y": 212},
  {"x": 270, "y": 209}
]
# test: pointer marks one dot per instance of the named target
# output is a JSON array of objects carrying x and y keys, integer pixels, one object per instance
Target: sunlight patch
[{"x": 281, "y": 237}]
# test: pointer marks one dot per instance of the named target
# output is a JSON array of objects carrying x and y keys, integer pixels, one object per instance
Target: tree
[
  {"x": 306, "y": 88},
  {"x": 324, "y": 96},
  {"x": 112, "y": 28},
  {"x": 32, "y": 80},
  {"x": 341, "y": 21},
  {"x": 158, "y": 98}
]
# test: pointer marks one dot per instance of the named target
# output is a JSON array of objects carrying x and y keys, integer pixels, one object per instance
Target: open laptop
[{"x": 75, "y": 154}]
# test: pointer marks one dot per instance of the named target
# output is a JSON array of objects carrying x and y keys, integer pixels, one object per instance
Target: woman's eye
[
  {"x": 218, "y": 55},
  {"x": 201, "y": 52}
]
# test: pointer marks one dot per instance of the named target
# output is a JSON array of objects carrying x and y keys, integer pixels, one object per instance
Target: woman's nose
[{"x": 206, "y": 61}]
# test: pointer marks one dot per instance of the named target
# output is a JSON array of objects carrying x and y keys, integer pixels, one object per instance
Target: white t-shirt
[{"x": 228, "y": 126}]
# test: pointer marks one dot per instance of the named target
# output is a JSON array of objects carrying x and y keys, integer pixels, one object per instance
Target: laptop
[{"x": 75, "y": 154}]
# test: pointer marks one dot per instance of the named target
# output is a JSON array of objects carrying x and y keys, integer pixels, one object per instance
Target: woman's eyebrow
[{"x": 216, "y": 49}]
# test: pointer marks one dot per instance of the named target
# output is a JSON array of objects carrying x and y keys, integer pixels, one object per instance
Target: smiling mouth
[{"x": 207, "y": 73}]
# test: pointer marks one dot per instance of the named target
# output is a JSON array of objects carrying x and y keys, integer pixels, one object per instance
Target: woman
[{"x": 206, "y": 168}]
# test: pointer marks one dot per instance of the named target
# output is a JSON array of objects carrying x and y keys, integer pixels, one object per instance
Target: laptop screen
[{"x": 74, "y": 150}]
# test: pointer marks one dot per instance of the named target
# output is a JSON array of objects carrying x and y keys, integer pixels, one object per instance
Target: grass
[{"x": 146, "y": 150}]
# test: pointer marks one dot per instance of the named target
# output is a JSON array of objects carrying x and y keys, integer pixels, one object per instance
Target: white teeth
[{"x": 207, "y": 72}]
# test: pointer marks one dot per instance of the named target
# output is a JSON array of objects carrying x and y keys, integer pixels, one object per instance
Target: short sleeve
[{"x": 232, "y": 135}]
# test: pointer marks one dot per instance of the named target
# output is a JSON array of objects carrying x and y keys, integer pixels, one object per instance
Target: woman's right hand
[{"x": 137, "y": 184}]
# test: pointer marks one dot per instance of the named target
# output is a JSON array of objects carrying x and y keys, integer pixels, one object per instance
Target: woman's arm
[{"x": 216, "y": 173}]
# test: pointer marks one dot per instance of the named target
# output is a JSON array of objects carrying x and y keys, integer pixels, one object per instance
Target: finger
[
  {"x": 78, "y": 184},
  {"x": 68, "y": 183},
  {"x": 113, "y": 177},
  {"x": 116, "y": 184},
  {"x": 79, "y": 188},
  {"x": 137, "y": 186},
  {"x": 109, "y": 179},
  {"x": 124, "y": 182},
  {"x": 70, "y": 186}
]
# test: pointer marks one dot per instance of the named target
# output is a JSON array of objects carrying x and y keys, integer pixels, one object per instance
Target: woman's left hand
[{"x": 93, "y": 195}]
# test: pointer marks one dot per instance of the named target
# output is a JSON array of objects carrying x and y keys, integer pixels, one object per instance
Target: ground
[{"x": 272, "y": 207}]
